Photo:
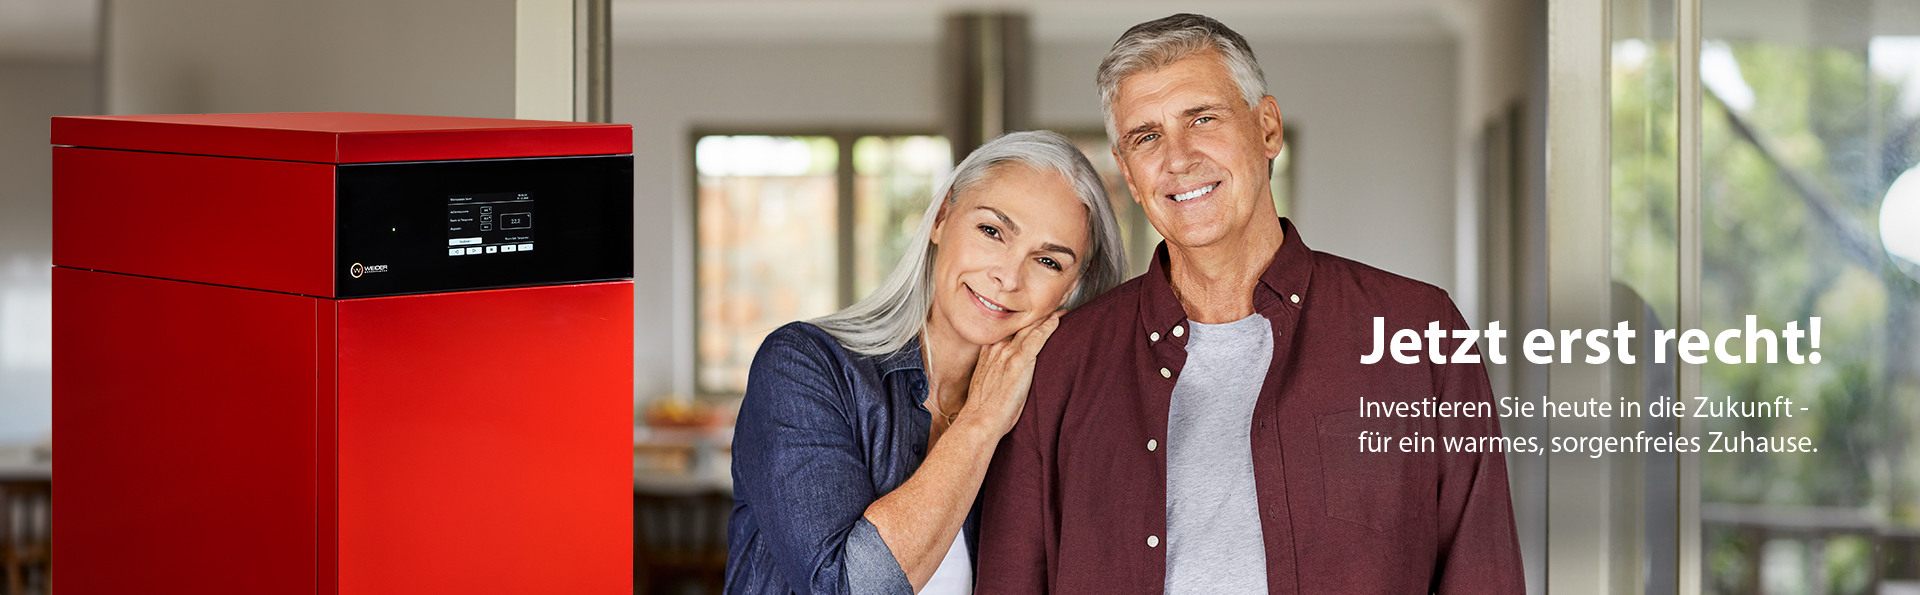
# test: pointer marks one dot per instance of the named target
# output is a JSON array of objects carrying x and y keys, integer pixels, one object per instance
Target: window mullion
[
  {"x": 1687, "y": 38},
  {"x": 845, "y": 217}
]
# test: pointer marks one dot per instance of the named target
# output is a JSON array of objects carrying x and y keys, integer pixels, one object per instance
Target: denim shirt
[{"x": 822, "y": 434}]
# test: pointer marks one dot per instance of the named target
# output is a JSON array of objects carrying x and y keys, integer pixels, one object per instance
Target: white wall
[
  {"x": 1502, "y": 62},
  {"x": 1376, "y": 119},
  {"x": 1490, "y": 75},
  {"x": 31, "y": 91},
  {"x": 427, "y": 57},
  {"x": 1376, "y": 150}
]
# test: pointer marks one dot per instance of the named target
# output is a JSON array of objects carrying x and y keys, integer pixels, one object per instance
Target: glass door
[
  {"x": 1758, "y": 181},
  {"x": 1810, "y": 132}
]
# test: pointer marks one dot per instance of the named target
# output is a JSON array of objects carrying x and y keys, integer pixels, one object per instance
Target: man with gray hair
[{"x": 1211, "y": 426}]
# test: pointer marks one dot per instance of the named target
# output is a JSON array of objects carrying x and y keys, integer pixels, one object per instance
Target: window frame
[{"x": 1580, "y": 555}]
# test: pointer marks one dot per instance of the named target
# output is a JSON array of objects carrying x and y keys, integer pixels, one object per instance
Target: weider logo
[{"x": 357, "y": 270}]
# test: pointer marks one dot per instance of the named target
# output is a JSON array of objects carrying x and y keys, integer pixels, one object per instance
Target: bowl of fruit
[{"x": 678, "y": 412}]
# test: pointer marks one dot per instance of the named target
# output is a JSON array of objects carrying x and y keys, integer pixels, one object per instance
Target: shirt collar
[
  {"x": 907, "y": 358},
  {"x": 1286, "y": 277}
]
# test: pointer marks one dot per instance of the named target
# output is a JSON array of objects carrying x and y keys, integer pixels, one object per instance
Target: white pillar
[{"x": 543, "y": 51}]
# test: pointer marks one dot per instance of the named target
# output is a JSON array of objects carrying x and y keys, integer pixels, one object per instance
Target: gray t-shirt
[{"x": 1214, "y": 544}]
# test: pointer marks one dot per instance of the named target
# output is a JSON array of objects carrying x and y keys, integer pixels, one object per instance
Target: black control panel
[{"x": 435, "y": 226}]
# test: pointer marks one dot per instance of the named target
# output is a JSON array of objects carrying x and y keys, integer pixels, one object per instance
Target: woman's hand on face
[{"x": 1004, "y": 373}]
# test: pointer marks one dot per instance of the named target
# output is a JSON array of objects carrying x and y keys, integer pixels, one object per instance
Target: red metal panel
[
  {"x": 239, "y": 222},
  {"x": 187, "y": 436},
  {"x": 343, "y": 137},
  {"x": 247, "y": 136},
  {"x": 603, "y": 139},
  {"x": 326, "y": 441},
  {"x": 486, "y": 441}
]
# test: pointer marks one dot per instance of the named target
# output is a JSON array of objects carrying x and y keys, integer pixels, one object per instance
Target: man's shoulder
[
  {"x": 1105, "y": 313},
  {"x": 1099, "y": 326},
  {"x": 1360, "y": 284},
  {"x": 1096, "y": 326}
]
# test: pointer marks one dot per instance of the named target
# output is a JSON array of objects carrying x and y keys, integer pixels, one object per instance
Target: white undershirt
[{"x": 955, "y": 574}]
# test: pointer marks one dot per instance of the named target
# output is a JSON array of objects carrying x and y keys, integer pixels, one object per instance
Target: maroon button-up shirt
[{"x": 1076, "y": 499}]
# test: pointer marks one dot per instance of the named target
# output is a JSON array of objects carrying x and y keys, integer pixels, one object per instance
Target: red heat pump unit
[{"x": 341, "y": 353}]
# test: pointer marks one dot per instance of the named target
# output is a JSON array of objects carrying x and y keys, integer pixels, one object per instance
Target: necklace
[
  {"x": 932, "y": 392},
  {"x": 943, "y": 413}
]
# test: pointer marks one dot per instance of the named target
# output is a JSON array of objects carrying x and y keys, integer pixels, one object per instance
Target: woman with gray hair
[{"x": 865, "y": 434}]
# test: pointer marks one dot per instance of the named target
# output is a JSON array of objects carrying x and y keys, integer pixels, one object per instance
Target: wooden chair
[
  {"x": 26, "y": 536},
  {"x": 680, "y": 541}
]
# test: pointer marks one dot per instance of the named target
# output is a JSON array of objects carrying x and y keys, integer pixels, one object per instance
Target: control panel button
[
  {"x": 506, "y": 248},
  {"x": 526, "y": 247},
  {"x": 456, "y": 251},
  {"x": 473, "y": 250},
  {"x": 463, "y": 241},
  {"x": 492, "y": 249}
]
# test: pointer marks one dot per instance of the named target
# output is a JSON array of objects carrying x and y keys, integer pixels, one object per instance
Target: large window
[
  {"x": 795, "y": 227},
  {"x": 767, "y": 208},
  {"x": 894, "y": 177}
]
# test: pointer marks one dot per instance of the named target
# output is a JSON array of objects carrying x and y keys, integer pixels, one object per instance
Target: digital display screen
[{"x": 489, "y": 223}]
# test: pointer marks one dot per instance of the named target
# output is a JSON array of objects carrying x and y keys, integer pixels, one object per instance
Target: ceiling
[
  {"x": 67, "y": 29},
  {"x": 645, "y": 21}
]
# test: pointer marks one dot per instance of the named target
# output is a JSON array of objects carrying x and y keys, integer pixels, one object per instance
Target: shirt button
[
  {"x": 1165, "y": 373},
  {"x": 1296, "y": 298},
  {"x": 1155, "y": 336},
  {"x": 1153, "y": 541},
  {"x": 1179, "y": 330},
  {"x": 1152, "y": 444}
]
